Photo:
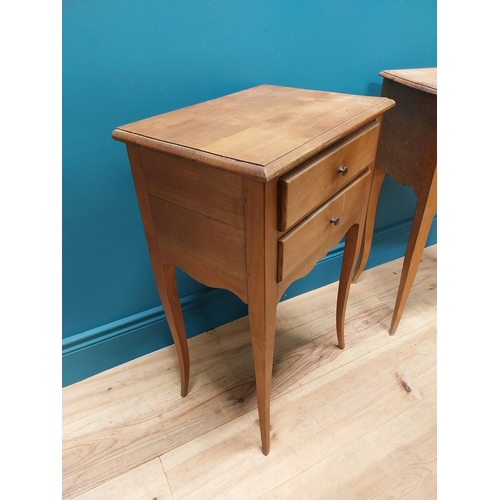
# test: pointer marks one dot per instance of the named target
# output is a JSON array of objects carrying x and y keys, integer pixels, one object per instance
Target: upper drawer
[{"x": 312, "y": 183}]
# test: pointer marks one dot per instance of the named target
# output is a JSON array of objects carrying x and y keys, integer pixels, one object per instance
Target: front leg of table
[
  {"x": 261, "y": 244},
  {"x": 422, "y": 221},
  {"x": 424, "y": 215},
  {"x": 164, "y": 274},
  {"x": 173, "y": 312}
]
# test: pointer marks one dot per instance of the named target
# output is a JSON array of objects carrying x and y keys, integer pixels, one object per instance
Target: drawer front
[
  {"x": 304, "y": 245},
  {"x": 311, "y": 184}
]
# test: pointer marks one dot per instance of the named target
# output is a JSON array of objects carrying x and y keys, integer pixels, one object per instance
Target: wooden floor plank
[
  {"x": 323, "y": 398},
  {"x": 146, "y": 482},
  {"x": 395, "y": 460},
  {"x": 309, "y": 423}
]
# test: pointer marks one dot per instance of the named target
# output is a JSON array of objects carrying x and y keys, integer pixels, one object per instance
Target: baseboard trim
[{"x": 93, "y": 351}]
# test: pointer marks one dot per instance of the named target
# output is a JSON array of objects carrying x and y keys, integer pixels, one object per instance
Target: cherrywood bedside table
[
  {"x": 246, "y": 192},
  {"x": 408, "y": 153}
]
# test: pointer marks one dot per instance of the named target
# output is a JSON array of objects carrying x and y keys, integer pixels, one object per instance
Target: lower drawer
[{"x": 303, "y": 246}]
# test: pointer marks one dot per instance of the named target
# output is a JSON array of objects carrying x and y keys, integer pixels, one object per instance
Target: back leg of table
[
  {"x": 351, "y": 249},
  {"x": 369, "y": 225},
  {"x": 424, "y": 215}
]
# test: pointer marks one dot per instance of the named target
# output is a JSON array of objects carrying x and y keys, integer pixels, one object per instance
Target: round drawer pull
[
  {"x": 335, "y": 221},
  {"x": 343, "y": 170}
]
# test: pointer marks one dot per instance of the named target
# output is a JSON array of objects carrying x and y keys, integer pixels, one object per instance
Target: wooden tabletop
[
  {"x": 424, "y": 79},
  {"x": 262, "y": 131}
]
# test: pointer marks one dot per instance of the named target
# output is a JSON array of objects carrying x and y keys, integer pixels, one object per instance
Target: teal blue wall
[{"x": 124, "y": 60}]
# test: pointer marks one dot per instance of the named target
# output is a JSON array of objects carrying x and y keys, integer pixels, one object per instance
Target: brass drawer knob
[
  {"x": 334, "y": 221},
  {"x": 343, "y": 170}
]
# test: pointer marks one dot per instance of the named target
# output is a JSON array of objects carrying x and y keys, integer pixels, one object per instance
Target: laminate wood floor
[{"x": 353, "y": 424}]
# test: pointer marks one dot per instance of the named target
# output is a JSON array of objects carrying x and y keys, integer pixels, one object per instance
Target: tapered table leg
[
  {"x": 261, "y": 240},
  {"x": 166, "y": 283},
  {"x": 351, "y": 251},
  {"x": 173, "y": 312},
  {"x": 262, "y": 325},
  {"x": 424, "y": 215},
  {"x": 367, "y": 232}
]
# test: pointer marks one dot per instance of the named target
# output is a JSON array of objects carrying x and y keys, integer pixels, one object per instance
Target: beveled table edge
[
  {"x": 397, "y": 76},
  {"x": 257, "y": 171}
]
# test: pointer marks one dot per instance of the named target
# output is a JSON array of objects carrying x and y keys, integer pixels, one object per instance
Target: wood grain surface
[
  {"x": 260, "y": 132},
  {"x": 358, "y": 423}
]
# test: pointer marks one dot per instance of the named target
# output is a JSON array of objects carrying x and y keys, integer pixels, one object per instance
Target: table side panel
[
  {"x": 408, "y": 138},
  {"x": 210, "y": 251},
  {"x": 308, "y": 186},
  {"x": 194, "y": 185}
]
